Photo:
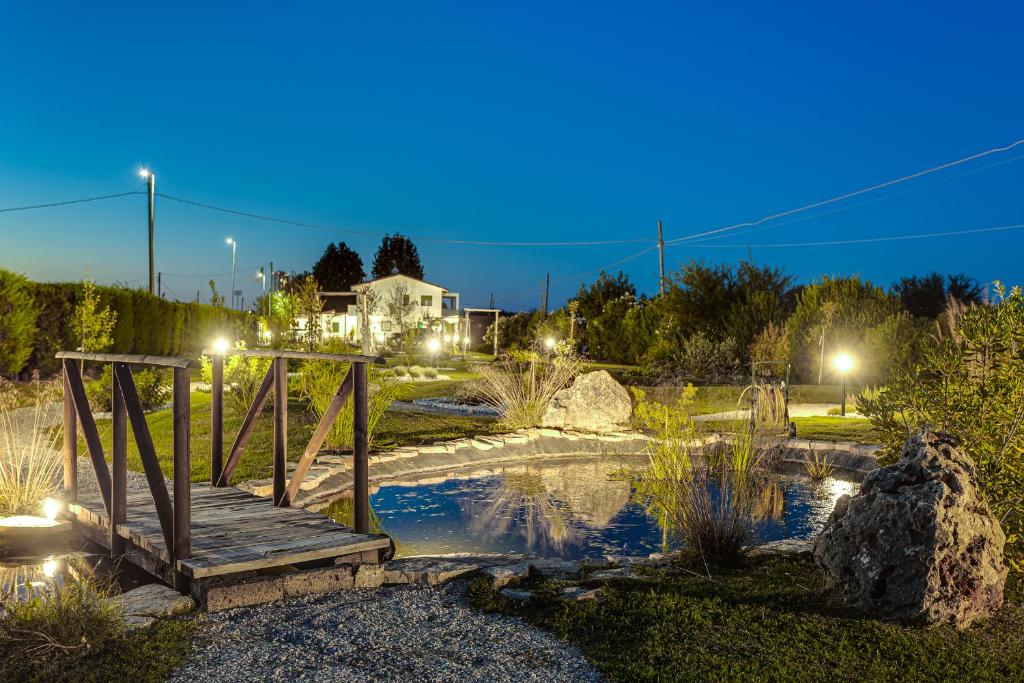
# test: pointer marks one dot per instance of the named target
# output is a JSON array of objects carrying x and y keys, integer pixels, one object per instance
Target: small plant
[
  {"x": 818, "y": 467},
  {"x": 91, "y": 325},
  {"x": 30, "y": 463},
  {"x": 834, "y": 412},
  {"x": 521, "y": 392},
  {"x": 64, "y": 619},
  {"x": 153, "y": 386},
  {"x": 430, "y": 373},
  {"x": 416, "y": 371},
  {"x": 400, "y": 371},
  {"x": 769, "y": 402}
]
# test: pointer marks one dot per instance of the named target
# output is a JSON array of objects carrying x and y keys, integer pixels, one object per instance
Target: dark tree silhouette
[
  {"x": 925, "y": 296},
  {"x": 339, "y": 268},
  {"x": 397, "y": 254}
]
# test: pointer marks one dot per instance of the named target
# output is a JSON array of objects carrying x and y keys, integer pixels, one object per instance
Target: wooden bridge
[{"x": 211, "y": 529}]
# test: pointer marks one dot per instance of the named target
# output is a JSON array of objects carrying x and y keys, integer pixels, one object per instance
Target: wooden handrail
[
  {"x": 298, "y": 355},
  {"x": 160, "y": 361}
]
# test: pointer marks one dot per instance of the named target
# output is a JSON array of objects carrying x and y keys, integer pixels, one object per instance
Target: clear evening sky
[{"x": 509, "y": 121}]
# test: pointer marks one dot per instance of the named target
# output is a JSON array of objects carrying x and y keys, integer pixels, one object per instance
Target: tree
[
  {"x": 397, "y": 254},
  {"x": 400, "y": 309},
  {"x": 591, "y": 300},
  {"x": 339, "y": 268},
  {"x": 18, "y": 314},
  {"x": 215, "y": 298},
  {"x": 309, "y": 304},
  {"x": 925, "y": 296},
  {"x": 91, "y": 325}
]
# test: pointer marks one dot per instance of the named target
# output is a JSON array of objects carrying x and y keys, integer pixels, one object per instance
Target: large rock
[
  {"x": 918, "y": 543},
  {"x": 594, "y": 403}
]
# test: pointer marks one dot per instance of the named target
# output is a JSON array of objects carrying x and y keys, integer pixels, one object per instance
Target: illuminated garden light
[
  {"x": 433, "y": 345},
  {"x": 51, "y": 508},
  {"x": 843, "y": 363},
  {"x": 221, "y": 346},
  {"x": 549, "y": 343}
]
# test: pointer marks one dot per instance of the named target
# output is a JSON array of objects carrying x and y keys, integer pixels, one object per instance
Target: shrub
[
  {"x": 242, "y": 379},
  {"x": 521, "y": 392},
  {"x": 18, "y": 314},
  {"x": 819, "y": 467},
  {"x": 416, "y": 371},
  {"x": 769, "y": 401},
  {"x": 319, "y": 382},
  {"x": 64, "y": 620},
  {"x": 971, "y": 385},
  {"x": 30, "y": 463},
  {"x": 153, "y": 386},
  {"x": 400, "y": 371},
  {"x": 430, "y": 373}
]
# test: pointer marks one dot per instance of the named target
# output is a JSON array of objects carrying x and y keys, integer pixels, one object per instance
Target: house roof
[
  {"x": 389, "y": 277},
  {"x": 338, "y": 301}
]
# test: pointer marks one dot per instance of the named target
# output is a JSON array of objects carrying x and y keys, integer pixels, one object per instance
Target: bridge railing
[
  {"x": 354, "y": 385},
  {"x": 174, "y": 516}
]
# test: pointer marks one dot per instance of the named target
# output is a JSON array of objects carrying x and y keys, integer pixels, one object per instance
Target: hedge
[{"x": 145, "y": 324}]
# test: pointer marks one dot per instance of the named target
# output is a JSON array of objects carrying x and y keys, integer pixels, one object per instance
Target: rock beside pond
[
  {"x": 144, "y": 604},
  {"x": 503, "y": 575},
  {"x": 594, "y": 403},
  {"x": 918, "y": 543},
  {"x": 787, "y": 547},
  {"x": 427, "y": 571}
]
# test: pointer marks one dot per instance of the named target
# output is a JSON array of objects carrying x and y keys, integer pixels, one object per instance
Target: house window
[
  {"x": 335, "y": 327},
  {"x": 405, "y": 299},
  {"x": 426, "y": 300}
]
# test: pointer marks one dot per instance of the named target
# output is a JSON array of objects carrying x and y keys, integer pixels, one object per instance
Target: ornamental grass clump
[
  {"x": 707, "y": 496},
  {"x": 521, "y": 391},
  {"x": 30, "y": 461},
  {"x": 59, "y": 621}
]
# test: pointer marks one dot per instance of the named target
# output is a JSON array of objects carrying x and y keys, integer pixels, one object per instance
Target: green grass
[
  {"x": 776, "y": 620},
  {"x": 399, "y": 428},
  {"x": 410, "y": 391},
  {"x": 819, "y": 428},
  {"x": 147, "y": 656},
  {"x": 722, "y": 398}
]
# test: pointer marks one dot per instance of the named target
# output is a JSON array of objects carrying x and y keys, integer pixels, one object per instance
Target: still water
[{"x": 583, "y": 508}]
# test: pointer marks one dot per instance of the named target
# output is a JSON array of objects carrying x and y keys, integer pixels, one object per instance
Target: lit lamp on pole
[
  {"x": 234, "y": 248},
  {"x": 842, "y": 363},
  {"x": 434, "y": 346},
  {"x": 150, "y": 179}
]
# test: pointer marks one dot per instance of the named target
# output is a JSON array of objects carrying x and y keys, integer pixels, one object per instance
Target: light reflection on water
[{"x": 577, "y": 509}]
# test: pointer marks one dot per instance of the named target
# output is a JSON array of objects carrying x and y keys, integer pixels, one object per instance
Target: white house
[{"x": 425, "y": 305}]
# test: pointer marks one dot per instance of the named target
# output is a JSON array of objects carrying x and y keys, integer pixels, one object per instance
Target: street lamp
[
  {"x": 234, "y": 247},
  {"x": 843, "y": 363},
  {"x": 433, "y": 346},
  {"x": 549, "y": 343},
  {"x": 150, "y": 178}
]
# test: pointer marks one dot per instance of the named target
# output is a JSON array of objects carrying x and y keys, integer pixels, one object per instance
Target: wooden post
[
  {"x": 118, "y": 467},
  {"x": 182, "y": 475},
  {"x": 661, "y": 261},
  {"x": 280, "y": 427},
  {"x": 217, "y": 420},
  {"x": 360, "y": 469},
  {"x": 70, "y": 444}
]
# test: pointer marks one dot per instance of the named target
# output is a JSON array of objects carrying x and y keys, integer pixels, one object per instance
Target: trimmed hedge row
[{"x": 145, "y": 324}]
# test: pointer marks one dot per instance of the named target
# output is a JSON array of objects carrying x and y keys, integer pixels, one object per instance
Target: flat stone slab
[
  {"x": 554, "y": 567},
  {"x": 501, "y": 576},
  {"x": 144, "y": 604},
  {"x": 617, "y": 573},
  {"x": 786, "y": 547},
  {"x": 512, "y": 594},
  {"x": 579, "y": 594},
  {"x": 426, "y": 571}
]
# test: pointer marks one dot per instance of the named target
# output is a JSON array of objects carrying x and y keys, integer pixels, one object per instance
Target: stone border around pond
[{"x": 331, "y": 475}]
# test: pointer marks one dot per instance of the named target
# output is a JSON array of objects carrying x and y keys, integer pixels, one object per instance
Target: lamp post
[
  {"x": 549, "y": 344},
  {"x": 234, "y": 247},
  {"x": 151, "y": 191},
  {"x": 434, "y": 346},
  {"x": 843, "y": 363}
]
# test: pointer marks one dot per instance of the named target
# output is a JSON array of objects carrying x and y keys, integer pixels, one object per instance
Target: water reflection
[{"x": 579, "y": 508}]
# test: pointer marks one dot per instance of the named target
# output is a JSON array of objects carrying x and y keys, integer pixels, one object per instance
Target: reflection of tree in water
[
  {"x": 771, "y": 501},
  {"x": 549, "y": 508}
]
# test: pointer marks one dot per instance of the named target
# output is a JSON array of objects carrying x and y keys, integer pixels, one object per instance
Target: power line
[
  {"x": 849, "y": 195},
  {"x": 331, "y": 228},
  {"x": 69, "y": 201},
  {"x": 865, "y": 240}
]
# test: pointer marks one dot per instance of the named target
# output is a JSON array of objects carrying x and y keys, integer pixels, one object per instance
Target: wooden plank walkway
[{"x": 232, "y": 532}]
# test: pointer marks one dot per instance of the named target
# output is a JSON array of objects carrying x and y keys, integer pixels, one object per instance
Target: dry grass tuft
[
  {"x": 30, "y": 460},
  {"x": 522, "y": 391}
]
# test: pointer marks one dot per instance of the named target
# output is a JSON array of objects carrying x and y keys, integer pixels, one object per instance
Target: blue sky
[{"x": 508, "y": 121}]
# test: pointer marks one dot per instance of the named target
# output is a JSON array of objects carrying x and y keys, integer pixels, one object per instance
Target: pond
[{"x": 578, "y": 508}]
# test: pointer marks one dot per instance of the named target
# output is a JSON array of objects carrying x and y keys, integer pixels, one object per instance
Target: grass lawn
[
  {"x": 776, "y": 620},
  {"x": 722, "y": 398},
  {"x": 395, "y": 429},
  {"x": 820, "y": 428}
]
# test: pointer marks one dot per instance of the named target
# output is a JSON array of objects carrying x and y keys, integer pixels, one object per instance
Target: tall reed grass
[
  {"x": 30, "y": 461},
  {"x": 522, "y": 390}
]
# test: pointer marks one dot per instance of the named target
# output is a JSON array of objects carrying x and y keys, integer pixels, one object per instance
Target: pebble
[{"x": 409, "y": 633}]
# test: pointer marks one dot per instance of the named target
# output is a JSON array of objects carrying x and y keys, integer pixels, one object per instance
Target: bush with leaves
[
  {"x": 971, "y": 385},
  {"x": 18, "y": 314},
  {"x": 319, "y": 381},
  {"x": 243, "y": 376},
  {"x": 153, "y": 386}
]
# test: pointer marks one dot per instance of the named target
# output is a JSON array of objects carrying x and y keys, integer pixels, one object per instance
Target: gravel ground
[{"x": 408, "y": 633}]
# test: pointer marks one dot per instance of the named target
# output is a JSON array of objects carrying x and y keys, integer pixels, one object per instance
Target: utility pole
[
  {"x": 364, "y": 328},
  {"x": 661, "y": 261},
  {"x": 151, "y": 185},
  {"x": 491, "y": 305},
  {"x": 547, "y": 292},
  {"x": 160, "y": 285}
]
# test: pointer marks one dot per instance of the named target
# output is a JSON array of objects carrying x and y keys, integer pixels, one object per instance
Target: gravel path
[{"x": 408, "y": 633}]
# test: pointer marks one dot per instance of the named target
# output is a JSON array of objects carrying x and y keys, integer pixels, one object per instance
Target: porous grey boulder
[
  {"x": 594, "y": 403},
  {"x": 144, "y": 604},
  {"x": 918, "y": 543}
]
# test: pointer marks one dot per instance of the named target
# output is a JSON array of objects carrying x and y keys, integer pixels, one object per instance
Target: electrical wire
[
  {"x": 70, "y": 201},
  {"x": 330, "y": 228},
  {"x": 849, "y": 195},
  {"x": 865, "y": 240}
]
